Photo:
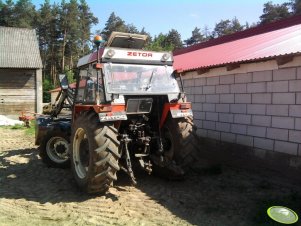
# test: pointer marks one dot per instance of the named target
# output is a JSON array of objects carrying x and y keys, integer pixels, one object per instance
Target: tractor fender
[
  {"x": 46, "y": 124},
  {"x": 177, "y": 110}
]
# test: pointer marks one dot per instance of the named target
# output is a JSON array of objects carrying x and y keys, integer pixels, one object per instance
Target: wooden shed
[{"x": 20, "y": 71}]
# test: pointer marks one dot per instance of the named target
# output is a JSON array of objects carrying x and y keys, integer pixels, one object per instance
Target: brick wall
[{"x": 260, "y": 109}]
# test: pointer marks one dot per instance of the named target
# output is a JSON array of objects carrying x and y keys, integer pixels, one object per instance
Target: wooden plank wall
[{"x": 17, "y": 91}]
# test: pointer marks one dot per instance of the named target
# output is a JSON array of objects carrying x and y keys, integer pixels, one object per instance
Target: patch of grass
[
  {"x": 28, "y": 131},
  {"x": 31, "y": 130},
  {"x": 17, "y": 127}
]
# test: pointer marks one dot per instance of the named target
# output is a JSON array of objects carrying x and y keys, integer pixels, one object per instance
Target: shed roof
[
  {"x": 19, "y": 48},
  {"x": 280, "y": 38}
]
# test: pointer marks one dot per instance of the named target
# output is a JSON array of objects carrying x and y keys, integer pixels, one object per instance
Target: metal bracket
[{"x": 125, "y": 141}]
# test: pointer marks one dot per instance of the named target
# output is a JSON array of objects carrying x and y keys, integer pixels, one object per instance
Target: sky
[{"x": 183, "y": 15}]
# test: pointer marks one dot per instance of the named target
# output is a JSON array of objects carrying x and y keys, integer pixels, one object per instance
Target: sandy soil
[{"x": 32, "y": 194}]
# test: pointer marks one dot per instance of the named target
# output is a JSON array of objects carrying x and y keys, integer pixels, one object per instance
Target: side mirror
[
  {"x": 175, "y": 74},
  {"x": 63, "y": 81}
]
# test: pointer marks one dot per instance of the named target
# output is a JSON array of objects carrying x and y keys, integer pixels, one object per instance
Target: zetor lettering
[{"x": 140, "y": 54}]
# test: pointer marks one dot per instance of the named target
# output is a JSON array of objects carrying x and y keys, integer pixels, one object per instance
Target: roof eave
[{"x": 239, "y": 62}]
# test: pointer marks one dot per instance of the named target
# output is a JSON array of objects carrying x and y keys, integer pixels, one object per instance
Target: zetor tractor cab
[{"x": 127, "y": 109}]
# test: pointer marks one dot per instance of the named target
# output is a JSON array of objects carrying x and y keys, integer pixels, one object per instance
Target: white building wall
[{"x": 257, "y": 105}]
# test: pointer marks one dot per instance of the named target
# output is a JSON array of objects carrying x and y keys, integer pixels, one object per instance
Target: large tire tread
[
  {"x": 104, "y": 160},
  {"x": 186, "y": 142}
]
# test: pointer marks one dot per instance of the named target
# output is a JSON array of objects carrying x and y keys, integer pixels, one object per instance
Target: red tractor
[{"x": 127, "y": 108}]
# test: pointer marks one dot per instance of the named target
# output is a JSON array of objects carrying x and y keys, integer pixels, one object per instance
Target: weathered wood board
[{"x": 17, "y": 91}]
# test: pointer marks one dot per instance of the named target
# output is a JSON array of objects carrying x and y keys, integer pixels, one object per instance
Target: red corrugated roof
[{"x": 271, "y": 40}]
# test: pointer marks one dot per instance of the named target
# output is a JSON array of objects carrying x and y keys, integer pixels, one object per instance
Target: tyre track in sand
[{"x": 31, "y": 193}]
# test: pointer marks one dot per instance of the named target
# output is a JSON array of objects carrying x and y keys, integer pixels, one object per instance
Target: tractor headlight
[
  {"x": 110, "y": 53},
  {"x": 165, "y": 57}
]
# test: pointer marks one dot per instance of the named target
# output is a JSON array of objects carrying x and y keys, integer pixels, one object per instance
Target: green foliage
[
  {"x": 296, "y": 6},
  {"x": 86, "y": 20},
  {"x": 64, "y": 30},
  {"x": 273, "y": 12},
  {"x": 47, "y": 85},
  {"x": 114, "y": 23},
  {"x": 25, "y": 14},
  {"x": 173, "y": 38},
  {"x": 7, "y": 13},
  {"x": 166, "y": 42},
  {"x": 160, "y": 44},
  {"x": 17, "y": 126},
  {"x": 149, "y": 37},
  {"x": 226, "y": 27},
  {"x": 195, "y": 38},
  {"x": 29, "y": 131},
  {"x": 130, "y": 28},
  {"x": 20, "y": 14},
  {"x": 70, "y": 75}
]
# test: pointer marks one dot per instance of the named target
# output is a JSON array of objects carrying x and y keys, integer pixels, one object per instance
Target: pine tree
[
  {"x": 43, "y": 24},
  {"x": 86, "y": 20},
  {"x": 24, "y": 14},
  {"x": 195, "y": 38},
  {"x": 114, "y": 23},
  {"x": 222, "y": 28},
  {"x": 7, "y": 13},
  {"x": 160, "y": 44},
  {"x": 64, "y": 30},
  {"x": 207, "y": 33},
  {"x": 69, "y": 28},
  {"x": 149, "y": 37},
  {"x": 226, "y": 27},
  {"x": 131, "y": 28},
  {"x": 273, "y": 12},
  {"x": 236, "y": 26},
  {"x": 53, "y": 50},
  {"x": 296, "y": 6},
  {"x": 173, "y": 38}
]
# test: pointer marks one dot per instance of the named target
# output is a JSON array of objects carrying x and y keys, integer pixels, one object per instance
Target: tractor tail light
[{"x": 184, "y": 106}]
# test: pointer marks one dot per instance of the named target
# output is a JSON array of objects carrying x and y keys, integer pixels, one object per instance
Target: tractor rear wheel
[
  {"x": 180, "y": 143},
  {"x": 95, "y": 154}
]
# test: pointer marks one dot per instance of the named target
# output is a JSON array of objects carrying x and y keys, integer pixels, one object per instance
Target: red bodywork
[
  {"x": 111, "y": 108},
  {"x": 183, "y": 107},
  {"x": 98, "y": 108}
]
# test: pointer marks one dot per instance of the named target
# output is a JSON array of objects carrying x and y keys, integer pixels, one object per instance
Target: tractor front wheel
[
  {"x": 95, "y": 155},
  {"x": 54, "y": 149}
]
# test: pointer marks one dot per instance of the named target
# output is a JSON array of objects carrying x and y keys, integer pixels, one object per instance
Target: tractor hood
[
  {"x": 126, "y": 40},
  {"x": 127, "y": 48}
]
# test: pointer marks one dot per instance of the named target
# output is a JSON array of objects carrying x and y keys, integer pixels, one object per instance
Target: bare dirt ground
[{"x": 32, "y": 194}]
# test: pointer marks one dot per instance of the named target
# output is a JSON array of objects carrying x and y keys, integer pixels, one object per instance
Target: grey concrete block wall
[{"x": 258, "y": 109}]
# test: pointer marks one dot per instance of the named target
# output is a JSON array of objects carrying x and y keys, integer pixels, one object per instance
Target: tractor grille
[{"x": 139, "y": 106}]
